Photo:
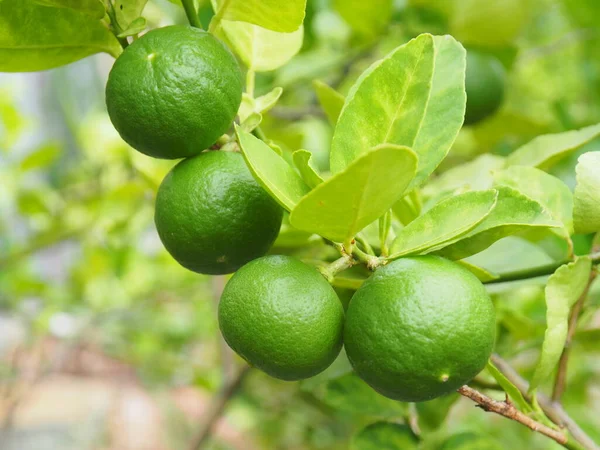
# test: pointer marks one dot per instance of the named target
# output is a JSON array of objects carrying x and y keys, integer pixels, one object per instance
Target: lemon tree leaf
[
  {"x": 35, "y": 37},
  {"x": 513, "y": 213},
  {"x": 128, "y": 11},
  {"x": 258, "y": 105},
  {"x": 350, "y": 200},
  {"x": 92, "y": 7},
  {"x": 482, "y": 274},
  {"x": 135, "y": 27},
  {"x": 259, "y": 48},
  {"x": 414, "y": 97},
  {"x": 42, "y": 157},
  {"x": 303, "y": 162},
  {"x": 512, "y": 391},
  {"x": 365, "y": 18},
  {"x": 564, "y": 287},
  {"x": 382, "y": 435},
  {"x": 407, "y": 209},
  {"x": 273, "y": 15},
  {"x": 330, "y": 100},
  {"x": 350, "y": 394},
  {"x": 274, "y": 174},
  {"x": 548, "y": 191},
  {"x": 545, "y": 151},
  {"x": 442, "y": 224},
  {"x": 586, "y": 210}
]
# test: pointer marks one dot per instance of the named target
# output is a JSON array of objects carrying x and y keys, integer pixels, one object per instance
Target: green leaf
[
  {"x": 414, "y": 97},
  {"x": 385, "y": 436},
  {"x": 135, "y": 27},
  {"x": 350, "y": 394},
  {"x": 258, "y": 105},
  {"x": 408, "y": 208},
  {"x": 43, "y": 157},
  {"x": 545, "y": 151},
  {"x": 273, "y": 15},
  {"x": 482, "y": 274},
  {"x": 586, "y": 210},
  {"x": 365, "y": 18},
  {"x": 444, "y": 223},
  {"x": 128, "y": 11},
  {"x": 92, "y": 7},
  {"x": 35, "y": 37},
  {"x": 548, "y": 191},
  {"x": 563, "y": 290},
  {"x": 349, "y": 201},
  {"x": 433, "y": 412},
  {"x": 278, "y": 178},
  {"x": 330, "y": 100},
  {"x": 512, "y": 214},
  {"x": 261, "y": 49},
  {"x": 512, "y": 391},
  {"x": 303, "y": 162}
]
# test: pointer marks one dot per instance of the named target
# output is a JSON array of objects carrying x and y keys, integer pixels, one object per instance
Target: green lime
[
  {"x": 385, "y": 436},
  {"x": 419, "y": 328},
  {"x": 173, "y": 92},
  {"x": 281, "y": 316},
  {"x": 470, "y": 441},
  {"x": 484, "y": 84},
  {"x": 212, "y": 216}
]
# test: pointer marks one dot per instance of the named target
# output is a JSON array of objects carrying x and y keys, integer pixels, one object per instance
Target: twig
[
  {"x": 554, "y": 411},
  {"x": 561, "y": 375},
  {"x": 507, "y": 410},
  {"x": 217, "y": 408}
]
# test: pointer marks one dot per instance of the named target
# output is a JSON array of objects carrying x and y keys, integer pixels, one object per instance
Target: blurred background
[{"x": 107, "y": 344}]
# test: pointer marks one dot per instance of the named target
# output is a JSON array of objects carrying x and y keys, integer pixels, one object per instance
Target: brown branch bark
[
  {"x": 509, "y": 411},
  {"x": 561, "y": 374},
  {"x": 553, "y": 411},
  {"x": 217, "y": 409}
]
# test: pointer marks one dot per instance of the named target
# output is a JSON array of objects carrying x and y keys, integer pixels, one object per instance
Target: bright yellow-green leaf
[
  {"x": 128, "y": 11},
  {"x": 415, "y": 97},
  {"x": 284, "y": 16},
  {"x": 278, "y": 178},
  {"x": 586, "y": 210},
  {"x": 513, "y": 213},
  {"x": 545, "y": 151},
  {"x": 42, "y": 157},
  {"x": 330, "y": 100},
  {"x": 548, "y": 191},
  {"x": 303, "y": 162},
  {"x": 258, "y": 105},
  {"x": 350, "y": 200},
  {"x": 94, "y": 8},
  {"x": 512, "y": 391},
  {"x": 564, "y": 288},
  {"x": 365, "y": 18},
  {"x": 482, "y": 274},
  {"x": 261, "y": 49},
  {"x": 444, "y": 223},
  {"x": 35, "y": 37}
]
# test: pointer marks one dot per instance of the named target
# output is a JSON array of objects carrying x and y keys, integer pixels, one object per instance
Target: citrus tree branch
[
  {"x": 561, "y": 375},
  {"x": 539, "y": 271},
  {"x": 553, "y": 411},
  {"x": 217, "y": 408},
  {"x": 508, "y": 410},
  {"x": 191, "y": 13}
]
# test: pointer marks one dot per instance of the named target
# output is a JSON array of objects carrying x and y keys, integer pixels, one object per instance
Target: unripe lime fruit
[
  {"x": 173, "y": 92},
  {"x": 419, "y": 328},
  {"x": 470, "y": 441},
  {"x": 282, "y": 317},
  {"x": 212, "y": 216},
  {"x": 484, "y": 84}
]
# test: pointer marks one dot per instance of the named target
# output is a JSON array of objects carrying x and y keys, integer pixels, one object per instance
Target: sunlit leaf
[
  {"x": 128, "y": 11},
  {"x": 40, "y": 158},
  {"x": 261, "y": 49},
  {"x": 512, "y": 214},
  {"x": 304, "y": 164},
  {"x": 94, "y": 8},
  {"x": 512, "y": 391},
  {"x": 545, "y": 151},
  {"x": 385, "y": 436},
  {"x": 330, "y": 100},
  {"x": 135, "y": 27},
  {"x": 414, "y": 97},
  {"x": 350, "y": 200},
  {"x": 270, "y": 14},
  {"x": 482, "y": 274},
  {"x": 586, "y": 212},
  {"x": 564, "y": 288},
  {"x": 278, "y": 178},
  {"x": 365, "y": 18},
  {"x": 35, "y": 37},
  {"x": 444, "y": 223}
]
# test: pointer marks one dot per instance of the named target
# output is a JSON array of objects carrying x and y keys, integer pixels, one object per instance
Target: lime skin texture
[
  {"x": 419, "y": 328},
  {"x": 282, "y": 317},
  {"x": 173, "y": 92},
  {"x": 485, "y": 84},
  {"x": 212, "y": 216}
]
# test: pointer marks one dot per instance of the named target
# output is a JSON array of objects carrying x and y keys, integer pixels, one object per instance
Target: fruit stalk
[
  {"x": 508, "y": 410},
  {"x": 191, "y": 13}
]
